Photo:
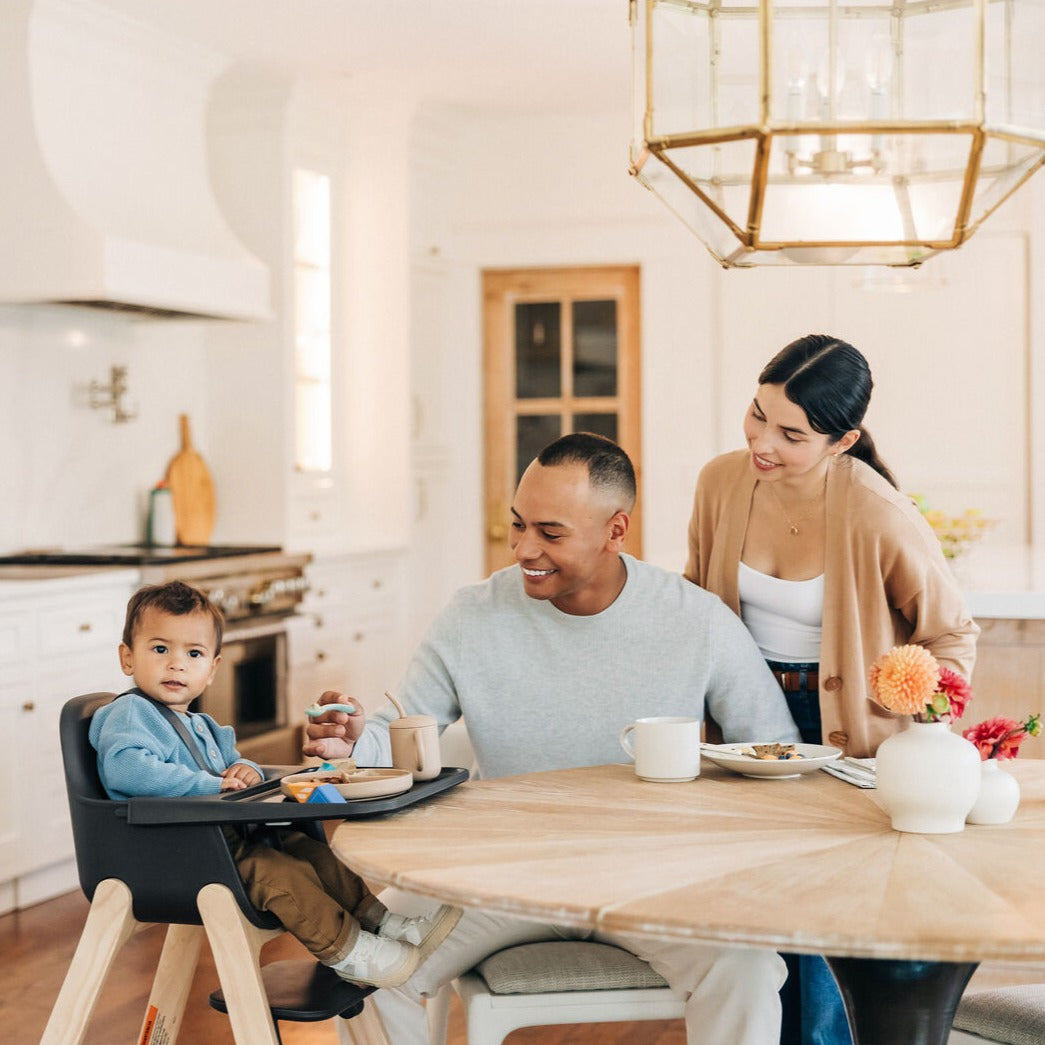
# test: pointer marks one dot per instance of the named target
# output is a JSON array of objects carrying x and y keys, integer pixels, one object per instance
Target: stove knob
[{"x": 262, "y": 594}]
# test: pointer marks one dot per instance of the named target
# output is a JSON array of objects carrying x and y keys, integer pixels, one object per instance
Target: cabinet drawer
[
  {"x": 17, "y": 632},
  {"x": 362, "y": 586},
  {"x": 320, "y": 636},
  {"x": 73, "y": 629}
]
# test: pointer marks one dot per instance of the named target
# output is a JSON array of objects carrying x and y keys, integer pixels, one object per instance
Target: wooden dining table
[{"x": 806, "y": 864}]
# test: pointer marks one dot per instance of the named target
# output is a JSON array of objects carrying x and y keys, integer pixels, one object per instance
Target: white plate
[
  {"x": 727, "y": 756},
  {"x": 362, "y": 783}
]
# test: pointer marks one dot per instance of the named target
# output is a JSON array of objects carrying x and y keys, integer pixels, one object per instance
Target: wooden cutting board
[{"x": 192, "y": 492}]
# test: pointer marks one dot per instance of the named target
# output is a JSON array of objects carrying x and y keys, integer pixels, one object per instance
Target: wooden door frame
[{"x": 502, "y": 289}]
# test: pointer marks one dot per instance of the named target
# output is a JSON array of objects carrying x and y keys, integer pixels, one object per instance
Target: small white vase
[
  {"x": 928, "y": 778},
  {"x": 999, "y": 795}
]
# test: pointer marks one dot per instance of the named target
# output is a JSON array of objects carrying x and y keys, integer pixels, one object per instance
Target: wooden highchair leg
[
  {"x": 171, "y": 985},
  {"x": 236, "y": 946},
  {"x": 110, "y": 922},
  {"x": 365, "y": 1029}
]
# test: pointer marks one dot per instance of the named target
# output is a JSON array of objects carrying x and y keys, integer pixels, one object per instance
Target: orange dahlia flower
[{"x": 905, "y": 679}]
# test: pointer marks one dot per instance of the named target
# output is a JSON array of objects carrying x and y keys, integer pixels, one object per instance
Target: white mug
[
  {"x": 665, "y": 749},
  {"x": 415, "y": 745}
]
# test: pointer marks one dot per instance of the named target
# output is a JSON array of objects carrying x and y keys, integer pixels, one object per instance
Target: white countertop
[
  {"x": 1003, "y": 582},
  {"x": 42, "y": 580}
]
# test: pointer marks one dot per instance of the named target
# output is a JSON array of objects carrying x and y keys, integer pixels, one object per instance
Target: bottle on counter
[{"x": 160, "y": 526}]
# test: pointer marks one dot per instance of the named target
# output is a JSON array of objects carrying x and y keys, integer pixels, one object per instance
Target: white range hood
[{"x": 105, "y": 194}]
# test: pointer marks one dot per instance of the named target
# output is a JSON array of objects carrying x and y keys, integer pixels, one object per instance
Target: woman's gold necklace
[{"x": 792, "y": 524}]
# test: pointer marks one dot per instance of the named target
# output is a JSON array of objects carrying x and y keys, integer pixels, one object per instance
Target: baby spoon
[{"x": 321, "y": 709}]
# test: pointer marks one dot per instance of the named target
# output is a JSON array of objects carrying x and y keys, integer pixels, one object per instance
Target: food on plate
[
  {"x": 773, "y": 752},
  {"x": 300, "y": 790}
]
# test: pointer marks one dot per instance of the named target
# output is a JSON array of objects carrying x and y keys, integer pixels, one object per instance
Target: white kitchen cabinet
[
  {"x": 58, "y": 638},
  {"x": 349, "y": 634}
]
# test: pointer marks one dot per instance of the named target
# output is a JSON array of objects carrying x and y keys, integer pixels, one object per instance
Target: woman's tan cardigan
[{"x": 886, "y": 583}]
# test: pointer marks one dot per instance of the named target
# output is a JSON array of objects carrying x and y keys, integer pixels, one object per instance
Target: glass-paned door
[{"x": 561, "y": 354}]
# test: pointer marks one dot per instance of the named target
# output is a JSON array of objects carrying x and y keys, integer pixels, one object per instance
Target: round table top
[{"x": 804, "y": 864}]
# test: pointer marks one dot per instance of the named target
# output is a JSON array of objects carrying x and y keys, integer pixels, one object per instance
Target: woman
[{"x": 806, "y": 536}]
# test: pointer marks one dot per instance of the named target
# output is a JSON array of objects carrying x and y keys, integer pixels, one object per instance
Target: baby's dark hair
[{"x": 176, "y": 598}]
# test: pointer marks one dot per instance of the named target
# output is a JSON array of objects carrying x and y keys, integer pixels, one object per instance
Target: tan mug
[
  {"x": 415, "y": 745},
  {"x": 665, "y": 749}
]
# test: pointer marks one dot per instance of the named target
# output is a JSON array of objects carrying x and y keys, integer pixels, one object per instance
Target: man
[{"x": 547, "y": 661}]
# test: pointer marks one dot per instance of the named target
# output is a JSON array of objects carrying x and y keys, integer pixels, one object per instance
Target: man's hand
[
  {"x": 239, "y": 776},
  {"x": 334, "y": 734}
]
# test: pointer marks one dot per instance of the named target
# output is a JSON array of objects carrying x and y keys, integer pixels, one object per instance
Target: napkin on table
[{"x": 858, "y": 771}]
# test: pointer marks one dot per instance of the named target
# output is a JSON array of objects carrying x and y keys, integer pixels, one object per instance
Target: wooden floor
[{"x": 37, "y": 944}]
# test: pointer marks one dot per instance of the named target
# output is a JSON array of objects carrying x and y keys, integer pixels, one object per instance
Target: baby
[{"x": 171, "y": 648}]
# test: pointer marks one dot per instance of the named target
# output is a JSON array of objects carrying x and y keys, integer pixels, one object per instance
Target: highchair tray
[{"x": 265, "y": 803}]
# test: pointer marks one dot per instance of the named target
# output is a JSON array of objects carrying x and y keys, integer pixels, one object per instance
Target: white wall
[{"x": 68, "y": 475}]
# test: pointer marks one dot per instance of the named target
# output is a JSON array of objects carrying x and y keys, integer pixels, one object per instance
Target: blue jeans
[
  {"x": 804, "y": 704},
  {"x": 813, "y": 1011}
]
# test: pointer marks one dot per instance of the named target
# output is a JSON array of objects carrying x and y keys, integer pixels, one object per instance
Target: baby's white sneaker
[
  {"x": 425, "y": 932},
  {"x": 378, "y": 961}
]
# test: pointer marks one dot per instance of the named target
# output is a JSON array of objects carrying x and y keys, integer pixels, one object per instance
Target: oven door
[{"x": 249, "y": 687}]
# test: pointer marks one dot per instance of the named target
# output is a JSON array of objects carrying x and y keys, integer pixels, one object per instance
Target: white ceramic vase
[
  {"x": 928, "y": 778},
  {"x": 999, "y": 795}
]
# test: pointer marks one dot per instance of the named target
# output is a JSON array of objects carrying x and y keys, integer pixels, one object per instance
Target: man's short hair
[
  {"x": 175, "y": 598},
  {"x": 609, "y": 467}
]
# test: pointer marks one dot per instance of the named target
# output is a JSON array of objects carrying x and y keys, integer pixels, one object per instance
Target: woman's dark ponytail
[
  {"x": 831, "y": 381},
  {"x": 864, "y": 450}
]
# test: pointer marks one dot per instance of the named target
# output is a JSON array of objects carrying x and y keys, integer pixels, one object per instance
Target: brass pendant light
[{"x": 820, "y": 132}]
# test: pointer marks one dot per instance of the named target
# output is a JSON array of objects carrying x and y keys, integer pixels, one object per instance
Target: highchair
[{"x": 166, "y": 860}]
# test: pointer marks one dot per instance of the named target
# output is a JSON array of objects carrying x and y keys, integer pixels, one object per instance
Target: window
[{"x": 312, "y": 338}]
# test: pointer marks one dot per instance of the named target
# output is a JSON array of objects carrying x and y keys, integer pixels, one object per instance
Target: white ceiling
[{"x": 514, "y": 54}]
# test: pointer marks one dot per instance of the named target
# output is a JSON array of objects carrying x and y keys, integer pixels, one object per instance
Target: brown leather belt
[{"x": 793, "y": 681}]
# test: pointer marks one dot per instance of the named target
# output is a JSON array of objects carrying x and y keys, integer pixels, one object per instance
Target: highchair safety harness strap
[
  {"x": 254, "y": 832},
  {"x": 180, "y": 728}
]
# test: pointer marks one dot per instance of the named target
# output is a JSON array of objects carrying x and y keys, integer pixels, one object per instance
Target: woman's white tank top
[{"x": 784, "y": 617}]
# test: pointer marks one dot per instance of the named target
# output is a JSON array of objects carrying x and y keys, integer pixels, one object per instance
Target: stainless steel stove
[{"x": 245, "y": 581}]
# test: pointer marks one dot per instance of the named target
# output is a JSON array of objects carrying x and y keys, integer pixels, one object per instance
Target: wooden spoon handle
[{"x": 186, "y": 438}]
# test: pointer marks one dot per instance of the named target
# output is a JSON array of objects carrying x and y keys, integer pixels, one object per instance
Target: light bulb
[{"x": 879, "y": 63}]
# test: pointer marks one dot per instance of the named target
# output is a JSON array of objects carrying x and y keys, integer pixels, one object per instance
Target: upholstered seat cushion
[
  {"x": 1013, "y": 1015},
  {"x": 565, "y": 965}
]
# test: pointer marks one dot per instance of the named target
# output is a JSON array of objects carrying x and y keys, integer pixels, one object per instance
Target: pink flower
[
  {"x": 957, "y": 691},
  {"x": 997, "y": 737}
]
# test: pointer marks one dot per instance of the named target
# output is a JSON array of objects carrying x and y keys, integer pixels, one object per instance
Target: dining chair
[
  {"x": 551, "y": 982},
  {"x": 1002, "y": 1016},
  {"x": 183, "y": 875}
]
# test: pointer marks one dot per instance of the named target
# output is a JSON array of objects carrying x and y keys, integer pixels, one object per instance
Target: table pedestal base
[{"x": 890, "y": 1002}]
